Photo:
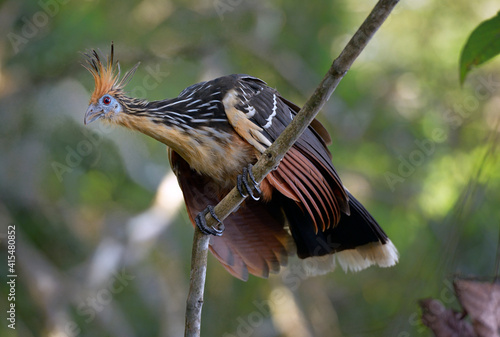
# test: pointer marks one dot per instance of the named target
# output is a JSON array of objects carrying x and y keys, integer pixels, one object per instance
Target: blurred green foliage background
[{"x": 102, "y": 242}]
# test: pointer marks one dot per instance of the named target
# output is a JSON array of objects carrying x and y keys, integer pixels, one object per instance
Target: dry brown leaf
[
  {"x": 481, "y": 300},
  {"x": 444, "y": 322}
]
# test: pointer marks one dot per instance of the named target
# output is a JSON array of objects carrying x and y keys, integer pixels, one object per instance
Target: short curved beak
[{"x": 92, "y": 114}]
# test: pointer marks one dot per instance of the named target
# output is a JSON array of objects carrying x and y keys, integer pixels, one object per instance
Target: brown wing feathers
[
  {"x": 257, "y": 238},
  {"x": 306, "y": 191},
  {"x": 306, "y": 172}
]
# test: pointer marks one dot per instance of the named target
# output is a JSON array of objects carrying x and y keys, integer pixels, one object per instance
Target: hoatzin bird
[{"x": 214, "y": 130}]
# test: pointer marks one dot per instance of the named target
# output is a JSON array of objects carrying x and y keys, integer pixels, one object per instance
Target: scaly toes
[
  {"x": 201, "y": 223},
  {"x": 244, "y": 187}
]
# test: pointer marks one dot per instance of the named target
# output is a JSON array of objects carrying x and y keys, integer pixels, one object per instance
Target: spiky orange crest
[{"x": 106, "y": 76}]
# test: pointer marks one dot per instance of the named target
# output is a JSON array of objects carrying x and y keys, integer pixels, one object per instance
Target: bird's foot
[
  {"x": 244, "y": 187},
  {"x": 201, "y": 223}
]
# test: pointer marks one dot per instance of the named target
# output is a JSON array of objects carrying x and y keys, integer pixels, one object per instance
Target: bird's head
[{"x": 106, "y": 100}]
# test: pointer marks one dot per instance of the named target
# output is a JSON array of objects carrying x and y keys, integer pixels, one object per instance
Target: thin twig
[
  {"x": 271, "y": 158},
  {"x": 196, "y": 283},
  {"x": 497, "y": 261}
]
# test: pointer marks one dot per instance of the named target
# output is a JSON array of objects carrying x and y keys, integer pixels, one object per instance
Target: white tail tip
[{"x": 357, "y": 259}]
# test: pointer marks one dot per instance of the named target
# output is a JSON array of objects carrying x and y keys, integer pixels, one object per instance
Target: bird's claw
[
  {"x": 244, "y": 187},
  {"x": 201, "y": 222}
]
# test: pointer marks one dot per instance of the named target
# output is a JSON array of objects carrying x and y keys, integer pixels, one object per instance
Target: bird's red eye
[{"x": 106, "y": 100}]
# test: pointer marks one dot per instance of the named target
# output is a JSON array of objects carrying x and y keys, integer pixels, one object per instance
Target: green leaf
[{"x": 483, "y": 44}]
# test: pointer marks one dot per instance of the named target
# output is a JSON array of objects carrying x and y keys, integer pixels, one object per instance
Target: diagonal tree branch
[{"x": 271, "y": 158}]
